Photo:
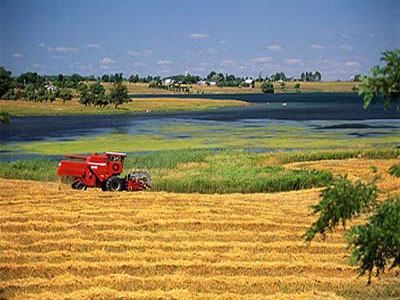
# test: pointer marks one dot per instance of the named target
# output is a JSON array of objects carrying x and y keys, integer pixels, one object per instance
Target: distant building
[
  {"x": 212, "y": 83},
  {"x": 51, "y": 87},
  {"x": 168, "y": 81},
  {"x": 251, "y": 82},
  {"x": 202, "y": 82}
]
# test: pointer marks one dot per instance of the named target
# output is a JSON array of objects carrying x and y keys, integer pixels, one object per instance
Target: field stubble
[{"x": 58, "y": 243}]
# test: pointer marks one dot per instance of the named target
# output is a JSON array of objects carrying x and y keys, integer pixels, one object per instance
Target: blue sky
[{"x": 339, "y": 38}]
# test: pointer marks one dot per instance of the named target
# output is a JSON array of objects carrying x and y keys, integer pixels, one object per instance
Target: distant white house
[
  {"x": 51, "y": 87},
  {"x": 202, "y": 82},
  {"x": 251, "y": 82},
  {"x": 212, "y": 83},
  {"x": 168, "y": 81}
]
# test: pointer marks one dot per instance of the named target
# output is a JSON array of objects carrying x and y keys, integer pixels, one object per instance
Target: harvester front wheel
[
  {"x": 81, "y": 186},
  {"x": 114, "y": 184},
  {"x": 78, "y": 185}
]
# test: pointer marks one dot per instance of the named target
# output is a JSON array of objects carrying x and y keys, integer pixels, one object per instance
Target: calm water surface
[{"x": 328, "y": 111}]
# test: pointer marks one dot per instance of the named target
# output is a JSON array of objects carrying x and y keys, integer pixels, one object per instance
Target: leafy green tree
[
  {"x": 97, "y": 94},
  {"x": 6, "y": 81},
  {"x": 51, "y": 96},
  {"x": 118, "y": 94},
  {"x": 267, "y": 87},
  {"x": 105, "y": 78},
  {"x": 211, "y": 75},
  {"x": 31, "y": 78},
  {"x": 65, "y": 95},
  {"x": 376, "y": 245},
  {"x": 297, "y": 87},
  {"x": 384, "y": 83},
  {"x": 75, "y": 79},
  {"x": 134, "y": 78},
  {"x": 42, "y": 94},
  {"x": 10, "y": 95},
  {"x": 317, "y": 76},
  {"x": 357, "y": 78},
  {"x": 340, "y": 203},
  {"x": 30, "y": 92},
  {"x": 84, "y": 95}
]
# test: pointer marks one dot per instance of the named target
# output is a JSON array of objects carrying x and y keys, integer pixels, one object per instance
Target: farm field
[
  {"x": 59, "y": 243},
  {"x": 73, "y": 107},
  {"x": 324, "y": 86}
]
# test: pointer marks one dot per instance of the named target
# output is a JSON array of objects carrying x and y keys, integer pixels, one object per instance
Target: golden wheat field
[{"x": 57, "y": 243}]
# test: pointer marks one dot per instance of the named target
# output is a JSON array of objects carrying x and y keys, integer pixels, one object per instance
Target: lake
[{"x": 317, "y": 111}]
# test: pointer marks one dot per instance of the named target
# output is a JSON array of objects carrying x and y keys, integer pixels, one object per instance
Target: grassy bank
[
  {"x": 213, "y": 171},
  {"x": 203, "y": 171},
  {"x": 73, "y": 107}
]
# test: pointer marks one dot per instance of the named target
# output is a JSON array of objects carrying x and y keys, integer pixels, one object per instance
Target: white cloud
[
  {"x": 210, "y": 51},
  {"x": 39, "y": 66},
  {"x": 146, "y": 52},
  {"x": 17, "y": 55},
  {"x": 346, "y": 47},
  {"x": 263, "y": 59},
  {"x": 134, "y": 53},
  {"x": 352, "y": 64},
  {"x": 199, "y": 36},
  {"x": 294, "y": 61},
  {"x": 88, "y": 67},
  {"x": 94, "y": 46},
  {"x": 275, "y": 48},
  {"x": 62, "y": 49},
  {"x": 227, "y": 62},
  {"x": 164, "y": 62},
  {"x": 106, "y": 61},
  {"x": 164, "y": 71},
  {"x": 41, "y": 44},
  {"x": 345, "y": 36},
  {"x": 199, "y": 69},
  {"x": 317, "y": 47}
]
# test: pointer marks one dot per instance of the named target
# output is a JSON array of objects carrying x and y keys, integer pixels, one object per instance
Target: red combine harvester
[{"x": 102, "y": 170}]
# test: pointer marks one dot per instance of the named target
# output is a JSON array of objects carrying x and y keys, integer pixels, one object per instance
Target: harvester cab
[{"x": 102, "y": 170}]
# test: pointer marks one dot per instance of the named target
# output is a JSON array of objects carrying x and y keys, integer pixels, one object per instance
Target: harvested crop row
[{"x": 57, "y": 243}]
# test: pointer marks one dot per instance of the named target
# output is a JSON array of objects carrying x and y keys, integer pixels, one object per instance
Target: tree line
[{"x": 31, "y": 86}]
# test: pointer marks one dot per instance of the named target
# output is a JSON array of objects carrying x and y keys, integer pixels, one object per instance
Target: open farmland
[{"x": 58, "y": 243}]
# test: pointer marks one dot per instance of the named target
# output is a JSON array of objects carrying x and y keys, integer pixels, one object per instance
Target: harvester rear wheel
[{"x": 114, "y": 184}]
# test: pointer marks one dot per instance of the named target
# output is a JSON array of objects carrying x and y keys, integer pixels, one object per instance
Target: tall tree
[
  {"x": 6, "y": 81},
  {"x": 384, "y": 82},
  {"x": 118, "y": 94}
]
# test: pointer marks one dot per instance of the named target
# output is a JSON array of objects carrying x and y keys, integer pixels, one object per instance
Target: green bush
[
  {"x": 267, "y": 87},
  {"x": 5, "y": 117},
  {"x": 395, "y": 170}
]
